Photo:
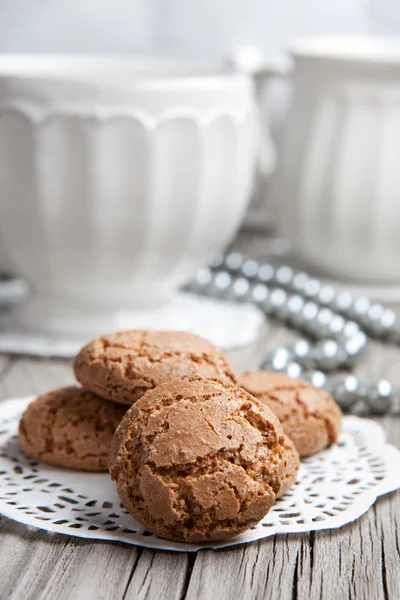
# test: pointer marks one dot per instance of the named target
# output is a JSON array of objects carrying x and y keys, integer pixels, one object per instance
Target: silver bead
[
  {"x": 295, "y": 306},
  {"x": 299, "y": 281},
  {"x": 284, "y": 275},
  {"x": 388, "y": 318},
  {"x": 350, "y": 329},
  {"x": 378, "y": 396},
  {"x": 310, "y": 311},
  {"x": 302, "y": 354},
  {"x": 203, "y": 278},
  {"x": 360, "y": 307},
  {"x": 336, "y": 326},
  {"x": 211, "y": 283},
  {"x": 240, "y": 290},
  {"x": 345, "y": 390},
  {"x": 329, "y": 355},
  {"x": 312, "y": 288},
  {"x": 326, "y": 294},
  {"x": 278, "y": 298},
  {"x": 323, "y": 321},
  {"x": 293, "y": 370},
  {"x": 375, "y": 312},
  {"x": 307, "y": 319},
  {"x": 355, "y": 345},
  {"x": 389, "y": 322},
  {"x": 259, "y": 294},
  {"x": 316, "y": 378},
  {"x": 234, "y": 261},
  {"x": 343, "y": 301},
  {"x": 221, "y": 283},
  {"x": 374, "y": 323},
  {"x": 250, "y": 268},
  {"x": 278, "y": 360},
  {"x": 266, "y": 273}
]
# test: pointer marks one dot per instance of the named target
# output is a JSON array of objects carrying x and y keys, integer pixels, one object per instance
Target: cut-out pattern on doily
[{"x": 334, "y": 487}]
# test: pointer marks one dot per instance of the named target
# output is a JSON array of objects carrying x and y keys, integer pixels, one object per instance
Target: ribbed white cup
[{"x": 118, "y": 179}]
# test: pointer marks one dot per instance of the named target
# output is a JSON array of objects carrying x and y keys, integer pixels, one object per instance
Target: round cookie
[
  {"x": 123, "y": 366},
  {"x": 291, "y": 468},
  {"x": 197, "y": 460},
  {"x": 309, "y": 416},
  {"x": 70, "y": 427}
]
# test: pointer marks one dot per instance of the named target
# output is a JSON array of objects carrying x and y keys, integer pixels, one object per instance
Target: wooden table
[{"x": 360, "y": 561}]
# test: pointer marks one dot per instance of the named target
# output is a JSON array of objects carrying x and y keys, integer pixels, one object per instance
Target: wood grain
[{"x": 361, "y": 560}]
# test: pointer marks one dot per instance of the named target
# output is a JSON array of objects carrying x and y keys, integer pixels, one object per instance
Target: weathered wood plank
[
  {"x": 357, "y": 561},
  {"x": 91, "y": 570},
  {"x": 160, "y": 575},
  {"x": 27, "y": 559},
  {"x": 36, "y": 564},
  {"x": 265, "y": 569},
  {"x": 26, "y": 376},
  {"x": 361, "y": 560}
]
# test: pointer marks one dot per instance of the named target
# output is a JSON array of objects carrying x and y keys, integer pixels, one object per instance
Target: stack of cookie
[{"x": 196, "y": 456}]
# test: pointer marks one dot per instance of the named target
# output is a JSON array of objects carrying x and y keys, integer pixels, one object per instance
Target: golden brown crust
[
  {"x": 292, "y": 466},
  {"x": 309, "y": 416},
  {"x": 198, "y": 460},
  {"x": 70, "y": 427},
  {"x": 123, "y": 366}
]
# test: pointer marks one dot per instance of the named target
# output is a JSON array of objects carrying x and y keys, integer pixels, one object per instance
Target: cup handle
[
  {"x": 281, "y": 68},
  {"x": 250, "y": 60}
]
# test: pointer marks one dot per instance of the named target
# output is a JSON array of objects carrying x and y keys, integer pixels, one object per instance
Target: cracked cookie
[
  {"x": 197, "y": 460},
  {"x": 70, "y": 427},
  {"x": 309, "y": 416},
  {"x": 291, "y": 467},
  {"x": 123, "y": 366}
]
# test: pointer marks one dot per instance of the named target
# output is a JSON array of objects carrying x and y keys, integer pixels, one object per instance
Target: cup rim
[
  {"x": 138, "y": 72},
  {"x": 378, "y": 50}
]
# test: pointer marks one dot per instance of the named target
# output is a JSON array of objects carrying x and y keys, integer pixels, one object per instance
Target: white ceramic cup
[
  {"x": 335, "y": 191},
  {"x": 119, "y": 178}
]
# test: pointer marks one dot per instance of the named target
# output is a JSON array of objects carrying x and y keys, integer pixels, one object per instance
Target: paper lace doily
[{"x": 334, "y": 487}]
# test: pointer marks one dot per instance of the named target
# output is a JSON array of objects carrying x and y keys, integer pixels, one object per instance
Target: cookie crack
[
  {"x": 205, "y": 465},
  {"x": 49, "y": 426},
  {"x": 318, "y": 417},
  {"x": 170, "y": 400},
  {"x": 129, "y": 355}
]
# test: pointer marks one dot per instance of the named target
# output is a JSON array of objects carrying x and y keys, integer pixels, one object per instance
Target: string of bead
[{"x": 335, "y": 325}]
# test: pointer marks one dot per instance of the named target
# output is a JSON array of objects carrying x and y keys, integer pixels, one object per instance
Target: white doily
[{"x": 334, "y": 487}]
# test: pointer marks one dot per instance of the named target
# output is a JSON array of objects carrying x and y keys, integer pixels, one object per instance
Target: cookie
[
  {"x": 196, "y": 460},
  {"x": 292, "y": 465},
  {"x": 70, "y": 427},
  {"x": 123, "y": 366},
  {"x": 309, "y": 416}
]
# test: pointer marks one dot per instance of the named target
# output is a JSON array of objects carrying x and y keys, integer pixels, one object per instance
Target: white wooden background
[{"x": 196, "y": 28}]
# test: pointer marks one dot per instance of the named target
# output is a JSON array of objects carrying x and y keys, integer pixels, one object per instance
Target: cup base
[{"x": 42, "y": 329}]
